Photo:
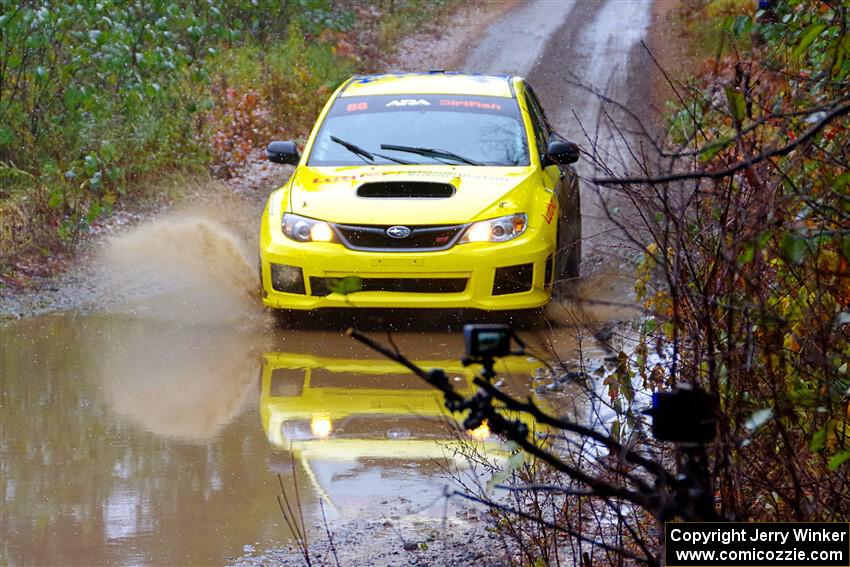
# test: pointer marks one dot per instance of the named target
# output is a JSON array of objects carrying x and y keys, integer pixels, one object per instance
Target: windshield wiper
[
  {"x": 356, "y": 150},
  {"x": 364, "y": 154},
  {"x": 429, "y": 152}
]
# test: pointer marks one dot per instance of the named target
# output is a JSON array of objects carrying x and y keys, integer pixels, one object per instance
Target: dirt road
[{"x": 148, "y": 422}]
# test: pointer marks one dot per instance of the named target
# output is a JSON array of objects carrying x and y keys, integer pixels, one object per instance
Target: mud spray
[{"x": 187, "y": 268}]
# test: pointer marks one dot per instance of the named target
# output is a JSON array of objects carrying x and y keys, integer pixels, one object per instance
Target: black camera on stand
[
  {"x": 487, "y": 340},
  {"x": 684, "y": 415},
  {"x": 485, "y": 343},
  {"x": 687, "y": 416}
]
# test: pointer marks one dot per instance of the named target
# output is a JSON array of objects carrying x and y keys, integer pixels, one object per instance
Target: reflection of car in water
[{"x": 346, "y": 418}]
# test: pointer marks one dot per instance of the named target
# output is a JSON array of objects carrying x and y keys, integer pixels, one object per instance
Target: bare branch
[{"x": 743, "y": 164}]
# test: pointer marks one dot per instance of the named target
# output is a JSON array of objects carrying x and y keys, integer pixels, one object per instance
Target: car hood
[{"x": 331, "y": 193}]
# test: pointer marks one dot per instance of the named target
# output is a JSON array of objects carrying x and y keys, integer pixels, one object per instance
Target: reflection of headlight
[
  {"x": 481, "y": 432},
  {"x": 305, "y": 229},
  {"x": 320, "y": 425},
  {"x": 501, "y": 229}
]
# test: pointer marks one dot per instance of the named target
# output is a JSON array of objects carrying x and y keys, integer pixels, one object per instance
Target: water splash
[{"x": 186, "y": 268}]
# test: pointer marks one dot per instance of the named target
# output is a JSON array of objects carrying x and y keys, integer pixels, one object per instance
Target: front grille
[
  {"x": 421, "y": 238},
  {"x": 320, "y": 287},
  {"x": 513, "y": 279}
]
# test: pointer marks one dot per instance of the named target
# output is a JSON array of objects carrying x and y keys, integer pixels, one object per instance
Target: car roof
[{"x": 431, "y": 82}]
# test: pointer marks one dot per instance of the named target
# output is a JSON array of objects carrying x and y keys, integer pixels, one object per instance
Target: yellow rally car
[{"x": 432, "y": 190}]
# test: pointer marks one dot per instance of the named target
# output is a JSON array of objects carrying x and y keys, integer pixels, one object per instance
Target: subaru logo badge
[{"x": 398, "y": 232}]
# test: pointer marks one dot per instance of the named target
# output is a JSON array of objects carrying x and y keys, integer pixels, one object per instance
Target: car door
[
  {"x": 543, "y": 133},
  {"x": 563, "y": 181}
]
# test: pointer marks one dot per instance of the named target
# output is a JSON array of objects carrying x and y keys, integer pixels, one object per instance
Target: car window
[
  {"x": 485, "y": 130},
  {"x": 538, "y": 107},
  {"x": 539, "y": 122}
]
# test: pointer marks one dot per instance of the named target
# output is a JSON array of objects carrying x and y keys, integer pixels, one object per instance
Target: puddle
[{"x": 142, "y": 441}]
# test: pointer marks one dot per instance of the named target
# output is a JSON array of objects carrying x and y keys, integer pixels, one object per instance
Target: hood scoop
[{"x": 406, "y": 190}]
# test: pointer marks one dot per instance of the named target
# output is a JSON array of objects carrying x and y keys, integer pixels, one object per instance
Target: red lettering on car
[
  {"x": 550, "y": 211},
  {"x": 471, "y": 104},
  {"x": 334, "y": 179}
]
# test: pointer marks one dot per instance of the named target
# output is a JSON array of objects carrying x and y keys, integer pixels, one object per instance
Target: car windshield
[{"x": 432, "y": 129}]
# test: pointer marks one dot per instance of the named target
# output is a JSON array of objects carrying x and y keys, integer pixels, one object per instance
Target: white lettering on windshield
[{"x": 409, "y": 102}]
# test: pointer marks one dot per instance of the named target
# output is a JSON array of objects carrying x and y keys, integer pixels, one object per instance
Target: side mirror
[
  {"x": 561, "y": 152},
  {"x": 283, "y": 152}
]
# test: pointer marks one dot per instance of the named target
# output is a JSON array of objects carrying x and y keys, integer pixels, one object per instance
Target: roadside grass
[
  {"x": 401, "y": 19},
  {"x": 260, "y": 93}
]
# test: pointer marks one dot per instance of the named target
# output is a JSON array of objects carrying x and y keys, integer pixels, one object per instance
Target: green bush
[{"x": 96, "y": 95}]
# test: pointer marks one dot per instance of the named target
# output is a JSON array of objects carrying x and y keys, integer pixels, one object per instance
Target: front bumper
[{"x": 464, "y": 276}]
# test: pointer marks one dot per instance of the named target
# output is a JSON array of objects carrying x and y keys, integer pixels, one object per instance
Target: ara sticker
[
  {"x": 550, "y": 211},
  {"x": 355, "y": 106}
]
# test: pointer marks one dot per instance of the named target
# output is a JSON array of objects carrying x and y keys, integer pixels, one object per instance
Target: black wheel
[{"x": 568, "y": 258}]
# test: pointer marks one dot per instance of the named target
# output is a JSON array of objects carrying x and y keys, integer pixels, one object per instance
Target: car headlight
[
  {"x": 499, "y": 229},
  {"x": 305, "y": 229}
]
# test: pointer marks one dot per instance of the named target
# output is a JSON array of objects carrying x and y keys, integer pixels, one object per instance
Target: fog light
[
  {"x": 513, "y": 279},
  {"x": 287, "y": 279}
]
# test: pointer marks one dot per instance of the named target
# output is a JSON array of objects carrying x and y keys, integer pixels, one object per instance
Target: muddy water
[{"x": 137, "y": 440}]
